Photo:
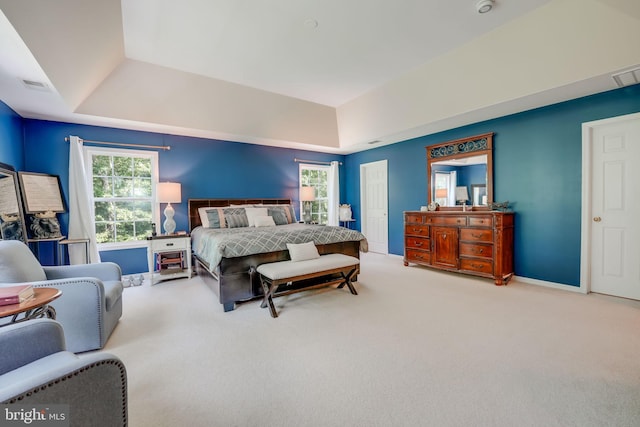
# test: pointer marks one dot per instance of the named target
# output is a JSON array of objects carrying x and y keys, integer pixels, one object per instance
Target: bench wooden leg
[
  {"x": 268, "y": 298},
  {"x": 347, "y": 281}
]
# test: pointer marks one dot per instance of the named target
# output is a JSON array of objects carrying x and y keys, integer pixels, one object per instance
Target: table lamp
[
  {"x": 307, "y": 195},
  {"x": 462, "y": 195},
  {"x": 169, "y": 192}
]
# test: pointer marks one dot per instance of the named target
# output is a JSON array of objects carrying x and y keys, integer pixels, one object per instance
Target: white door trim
[{"x": 587, "y": 188}]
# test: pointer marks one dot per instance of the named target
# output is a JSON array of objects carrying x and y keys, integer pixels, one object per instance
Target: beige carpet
[{"x": 416, "y": 347}]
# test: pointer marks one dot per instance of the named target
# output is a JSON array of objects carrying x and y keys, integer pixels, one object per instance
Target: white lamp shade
[
  {"x": 462, "y": 193},
  {"x": 168, "y": 192},
  {"x": 307, "y": 194}
]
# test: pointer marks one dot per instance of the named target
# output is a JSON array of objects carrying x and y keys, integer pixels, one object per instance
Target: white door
[
  {"x": 374, "y": 202},
  {"x": 612, "y": 224}
]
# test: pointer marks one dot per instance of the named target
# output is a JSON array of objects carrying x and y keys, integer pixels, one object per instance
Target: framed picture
[{"x": 41, "y": 192}]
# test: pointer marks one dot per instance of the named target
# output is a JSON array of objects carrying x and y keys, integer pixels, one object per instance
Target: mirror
[
  {"x": 460, "y": 173},
  {"x": 12, "y": 225}
]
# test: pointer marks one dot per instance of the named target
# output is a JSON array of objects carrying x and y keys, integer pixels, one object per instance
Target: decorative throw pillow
[
  {"x": 287, "y": 210},
  {"x": 291, "y": 214},
  {"x": 235, "y": 217},
  {"x": 302, "y": 251},
  {"x": 264, "y": 221},
  {"x": 279, "y": 215},
  {"x": 253, "y": 213},
  {"x": 215, "y": 218}
]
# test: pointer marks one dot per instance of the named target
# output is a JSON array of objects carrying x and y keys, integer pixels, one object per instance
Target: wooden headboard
[{"x": 194, "y": 204}]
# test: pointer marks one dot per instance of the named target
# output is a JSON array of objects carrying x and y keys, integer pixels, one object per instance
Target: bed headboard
[{"x": 194, "y": 204}]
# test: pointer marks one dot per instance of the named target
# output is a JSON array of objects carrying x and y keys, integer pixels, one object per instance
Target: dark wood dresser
[{"x": 473, "y": 242}]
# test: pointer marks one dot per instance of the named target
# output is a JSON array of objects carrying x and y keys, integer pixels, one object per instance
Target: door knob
[{"x": 597, "y": 219}]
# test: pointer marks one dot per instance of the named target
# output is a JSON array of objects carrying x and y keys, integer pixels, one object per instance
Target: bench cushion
[{"x": 285, "y": 269}]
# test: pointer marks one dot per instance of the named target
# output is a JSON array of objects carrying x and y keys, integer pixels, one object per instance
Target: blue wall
[
  {"x": 11, "y": 144},
  {"x": 537, "y": 167},
  {"x": 206, "y": 168}
]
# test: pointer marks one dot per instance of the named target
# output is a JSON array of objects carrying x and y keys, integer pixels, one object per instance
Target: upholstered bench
[{"x": 338, "y": 269}]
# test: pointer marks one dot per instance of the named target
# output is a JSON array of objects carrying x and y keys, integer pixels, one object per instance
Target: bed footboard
[{"x": 236, "y": 280}]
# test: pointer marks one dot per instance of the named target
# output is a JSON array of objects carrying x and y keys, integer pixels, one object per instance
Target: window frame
[
  {"x": 89, "y": 152},
  {"x": 325, "y": 168}
]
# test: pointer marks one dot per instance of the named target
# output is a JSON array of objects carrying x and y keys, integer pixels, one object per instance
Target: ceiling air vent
[
  {"x": 627, "y": 78},
  {"x": 32, "y": 84}
]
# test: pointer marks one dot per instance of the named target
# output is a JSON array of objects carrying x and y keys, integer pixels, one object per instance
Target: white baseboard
[
  {"x": 544, "y": 283},
  {"x": 531, "y": 281}
]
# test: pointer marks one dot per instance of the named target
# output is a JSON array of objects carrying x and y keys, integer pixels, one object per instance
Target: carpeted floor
[{"x": 416, "y": 347}]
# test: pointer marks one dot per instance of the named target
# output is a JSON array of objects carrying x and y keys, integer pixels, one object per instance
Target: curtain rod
[
  {"x": 317, "y": 162},
  {"x": 122, "y": 144}
]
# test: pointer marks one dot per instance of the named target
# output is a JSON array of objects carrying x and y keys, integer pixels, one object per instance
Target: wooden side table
[
  {"x": 169, "y": 267},
  {"x": 33, "y": 308}
]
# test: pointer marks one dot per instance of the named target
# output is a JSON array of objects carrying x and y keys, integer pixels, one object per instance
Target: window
[
  {"x": 122, "y": 185},
  {"x": 316, "y": 176}
]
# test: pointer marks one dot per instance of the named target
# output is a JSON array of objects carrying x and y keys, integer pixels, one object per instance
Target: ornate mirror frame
[
  {"x": 457, "y": 149},
  {"x": 12, "y": 224}
]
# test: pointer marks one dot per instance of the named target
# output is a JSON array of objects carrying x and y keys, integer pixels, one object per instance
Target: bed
[{"x": 227, "y": 257}]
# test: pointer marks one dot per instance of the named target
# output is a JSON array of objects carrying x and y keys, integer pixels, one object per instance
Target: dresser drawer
[
  {"x": 416, "y": 230},
  {"x": 481, "y": 221},
  {"x": 476, "y": 265},
  {"x": 417, "y": 256},
  {"x": 447, "y": 220},
  {"x": 472, "y": 249},
  {"x": 418, "y": 243},
  {"x": 476, "y": 235},
  {"x": 414, "y": 218}
]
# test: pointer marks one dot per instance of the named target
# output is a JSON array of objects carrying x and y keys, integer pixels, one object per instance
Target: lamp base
[{"x": 169, "y": 223}]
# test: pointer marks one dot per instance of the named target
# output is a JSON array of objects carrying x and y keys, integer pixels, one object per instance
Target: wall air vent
[
  {"x": 627, "y": 78},
  {"x": 32, "y": 84}
]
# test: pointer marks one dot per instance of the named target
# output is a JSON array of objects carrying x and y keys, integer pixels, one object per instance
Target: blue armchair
[
  {"x": 91, "y": 301},
  {"x": 36, "y": 370}
]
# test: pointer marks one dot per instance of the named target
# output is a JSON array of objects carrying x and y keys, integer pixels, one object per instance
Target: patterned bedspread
[{"x": 213, "y": 244}]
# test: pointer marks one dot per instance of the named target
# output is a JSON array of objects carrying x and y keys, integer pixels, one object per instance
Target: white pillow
[
  {"x": 264, "y": 221},
  {"x": 204, "y": 219},
  {"x": 302, "y": 251},
  {"x": 252, "y": 213}
]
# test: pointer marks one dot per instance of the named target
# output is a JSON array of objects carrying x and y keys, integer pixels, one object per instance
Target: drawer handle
[
  {"x": 418, "y": 244},
  {"x": 416, "y": 230},
  {"x": 169, "y": 244},
  {"x": 476, "y": 236},
  {"x": 481, "y": 250}
]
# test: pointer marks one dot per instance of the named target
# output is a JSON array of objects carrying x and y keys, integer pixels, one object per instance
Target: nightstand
[{"x": 169, "y": 257}]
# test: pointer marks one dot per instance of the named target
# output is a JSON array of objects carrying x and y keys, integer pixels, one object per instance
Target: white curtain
[
  {"x": 333, "y": 193},
  {"x": 451, "y": 191},
  {"x": 81, "y": 217}
]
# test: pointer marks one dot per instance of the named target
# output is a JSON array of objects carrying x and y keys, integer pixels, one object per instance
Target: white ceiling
[
  {"x": 272, "y": 45},
  {"x": 264, "y": 72}
]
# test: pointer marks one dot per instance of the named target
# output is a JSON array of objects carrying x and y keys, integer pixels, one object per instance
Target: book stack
[
  {"x": 15, "y": 294},
  {"x": 171, "y": 262}
]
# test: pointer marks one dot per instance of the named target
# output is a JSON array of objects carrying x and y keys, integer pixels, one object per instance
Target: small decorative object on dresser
[{"x": 479, "y": 243}]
